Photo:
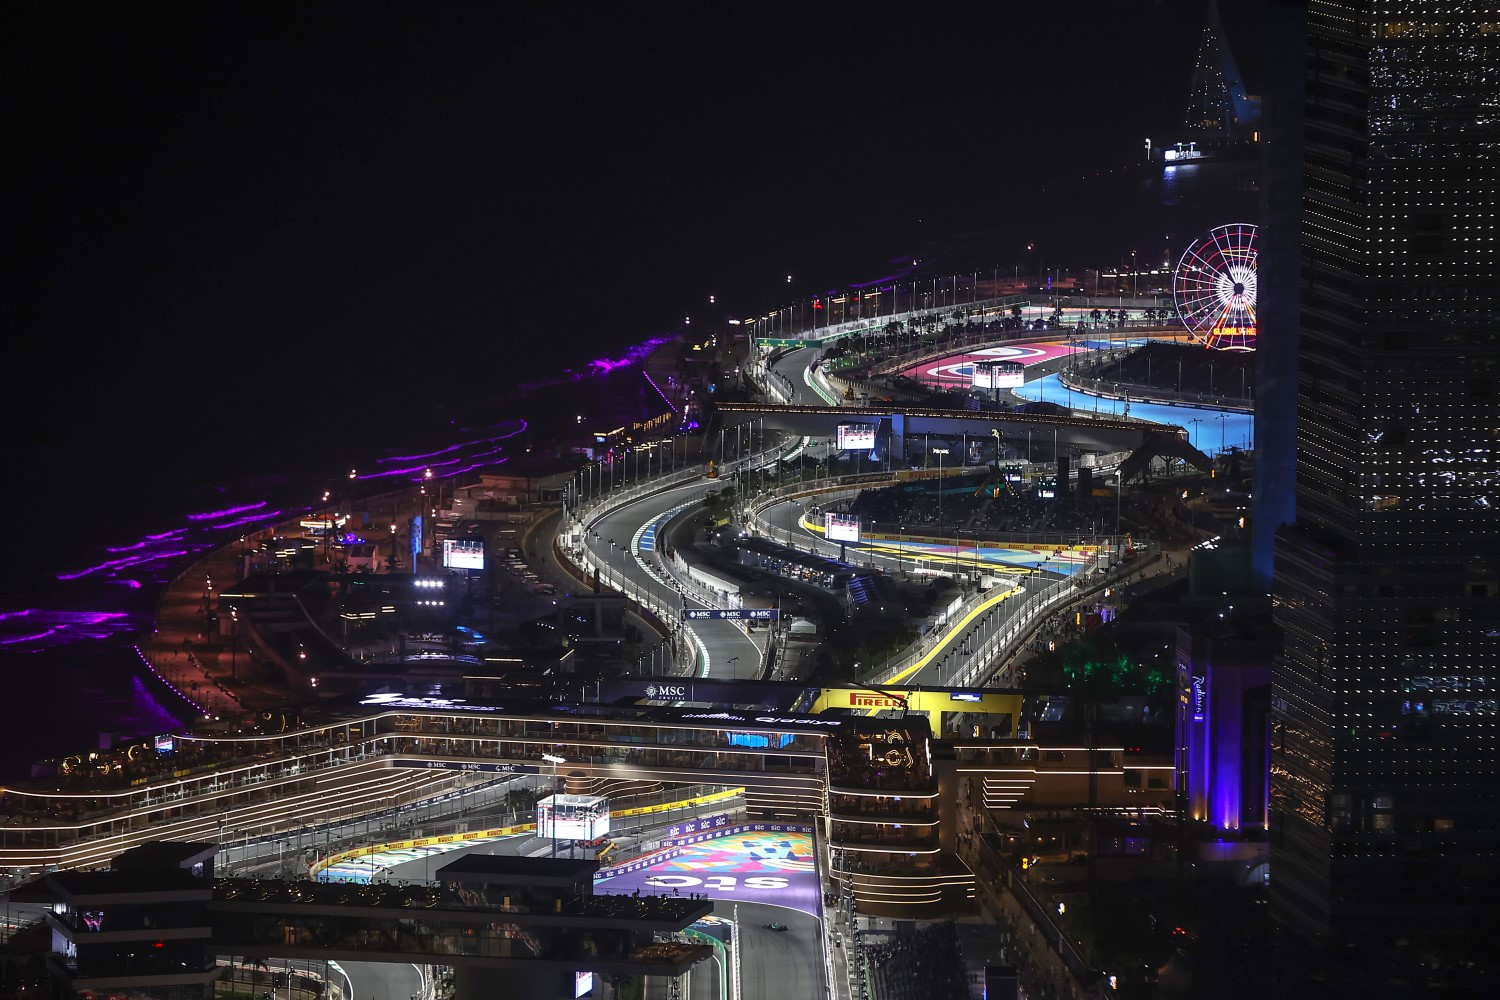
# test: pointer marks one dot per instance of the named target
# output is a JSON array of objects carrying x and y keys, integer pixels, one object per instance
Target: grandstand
[
  {"x": 919, "y": 962},
  {"x": 985, "y": 504},
  {"x": 1169, "y": 372}
]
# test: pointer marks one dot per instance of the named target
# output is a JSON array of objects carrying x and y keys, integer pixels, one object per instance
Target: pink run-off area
[{"x": 958, "y": 369}]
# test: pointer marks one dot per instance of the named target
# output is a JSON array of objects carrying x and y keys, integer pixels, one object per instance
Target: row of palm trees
[{"x": 1116, "y": 318}]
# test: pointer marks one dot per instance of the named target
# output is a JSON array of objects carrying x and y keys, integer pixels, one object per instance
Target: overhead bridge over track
[{"x": 1088, "y": 434}]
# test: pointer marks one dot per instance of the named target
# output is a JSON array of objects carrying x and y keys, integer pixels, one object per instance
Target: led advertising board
[
  {"x": 841, "y": 527},
  {"x": 463, "y": 553},
  {"x": 998, "y": 375},
  {"x": 856, "y": 437}
]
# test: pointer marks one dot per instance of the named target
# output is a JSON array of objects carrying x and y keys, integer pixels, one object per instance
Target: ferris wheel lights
[{"x": 1215, "y": 288}]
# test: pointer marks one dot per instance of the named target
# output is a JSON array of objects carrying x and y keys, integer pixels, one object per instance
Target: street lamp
[
  {"x": 940, "y": 452},
  {"x": 731, "y": 662},
  {"x": 234, "y": 643},
  {"x": 554, "y": 760}
]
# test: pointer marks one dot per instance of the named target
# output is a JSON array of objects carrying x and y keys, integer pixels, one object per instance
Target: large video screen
[
  {"x": 463, "y": 553},
  {"x": 841, "y": 527},
  {"x": 856, "y": 437},
  {"x": 999, "y": 375}
]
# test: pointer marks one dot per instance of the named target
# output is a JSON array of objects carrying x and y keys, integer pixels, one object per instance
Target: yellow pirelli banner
[{"x": 933, "y": 704}]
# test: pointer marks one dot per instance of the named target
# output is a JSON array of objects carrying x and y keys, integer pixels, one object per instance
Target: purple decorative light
[
  {"x": 11, "y": 640},
  {"x": 271, "y": 515},
  {"x": 173, "y": 535},
  {"x": 212, "y": 515},
  {"x": 41, "y": 629},
  {"x": 601, "y": 366},
  {"x": 659, "y": 392},
  {"x": 113, "y": 564},
  {"x": 632, "y": 355},
  {"x": 457, "y": 465},
  {"x": 173, "y": 687},
  {"x": 454, "y": 447}
]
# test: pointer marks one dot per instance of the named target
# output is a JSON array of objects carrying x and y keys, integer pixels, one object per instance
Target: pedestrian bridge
[{"x": 901, "y": 424}]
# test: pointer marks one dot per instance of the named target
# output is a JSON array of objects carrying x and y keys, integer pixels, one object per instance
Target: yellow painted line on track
[{"x": 959, "y": 627}]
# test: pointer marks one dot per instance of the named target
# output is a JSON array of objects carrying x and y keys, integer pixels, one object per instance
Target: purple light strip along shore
[
  {"x": 600, "y": 366},
  {"x": 660, "y": 393},
  {"x": 454, "y": 447},
  {"x": 172, "y": 687},
  {"x": 110, "y": 564},
  {"x": 175, "y": 535},
  {"x": 416, "y": 471},
  {"x": 226, "y": 512},
  {"x": 265, "y": 516}
]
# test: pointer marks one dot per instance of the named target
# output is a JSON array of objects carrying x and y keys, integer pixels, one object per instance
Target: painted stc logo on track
[{"x": 719, "y": 882}]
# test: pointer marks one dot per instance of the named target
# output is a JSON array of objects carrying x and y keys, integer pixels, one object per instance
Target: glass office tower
[{"x": 1385, "y": 781}]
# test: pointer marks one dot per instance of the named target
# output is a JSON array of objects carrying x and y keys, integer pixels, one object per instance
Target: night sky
[{"x": 255, "y": 236}]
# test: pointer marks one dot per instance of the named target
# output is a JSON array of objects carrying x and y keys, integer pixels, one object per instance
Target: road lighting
[
  {"x": 554, "y": 760},
  {"x": 731, "y": 662},
  {"x": 234, "y": 643},
  {"x": 940, "y": 452}
]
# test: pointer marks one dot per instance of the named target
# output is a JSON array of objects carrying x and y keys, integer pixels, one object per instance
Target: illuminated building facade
[
  {"x": 883, "y": 790},
  {"x": 883, "y": 815},
  {"x": 1223, "y": 705},
  {"x": 1217, "y": 102},
  {"x": 1385, "y": 782}
]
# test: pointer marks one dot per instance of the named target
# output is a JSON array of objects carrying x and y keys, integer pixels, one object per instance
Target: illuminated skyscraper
[{"x": 1385, "y": 780}]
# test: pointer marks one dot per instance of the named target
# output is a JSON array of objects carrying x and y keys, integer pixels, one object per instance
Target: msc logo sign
[{"x": 666, "y": 691}]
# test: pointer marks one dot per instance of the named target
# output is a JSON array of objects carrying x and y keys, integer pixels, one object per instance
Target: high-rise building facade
[{"x": 1385, "y": 777}]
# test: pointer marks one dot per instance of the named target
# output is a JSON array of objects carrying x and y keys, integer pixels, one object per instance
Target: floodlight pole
[
  {"x": 554, "y": 760},
  {"x": 940, "y": 452}
]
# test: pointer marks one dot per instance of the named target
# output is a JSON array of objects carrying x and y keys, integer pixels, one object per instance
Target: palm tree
[{"x": 1095, "y": 316}]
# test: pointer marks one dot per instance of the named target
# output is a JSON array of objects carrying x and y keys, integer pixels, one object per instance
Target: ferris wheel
[{"x": 1214, "y": 288}]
